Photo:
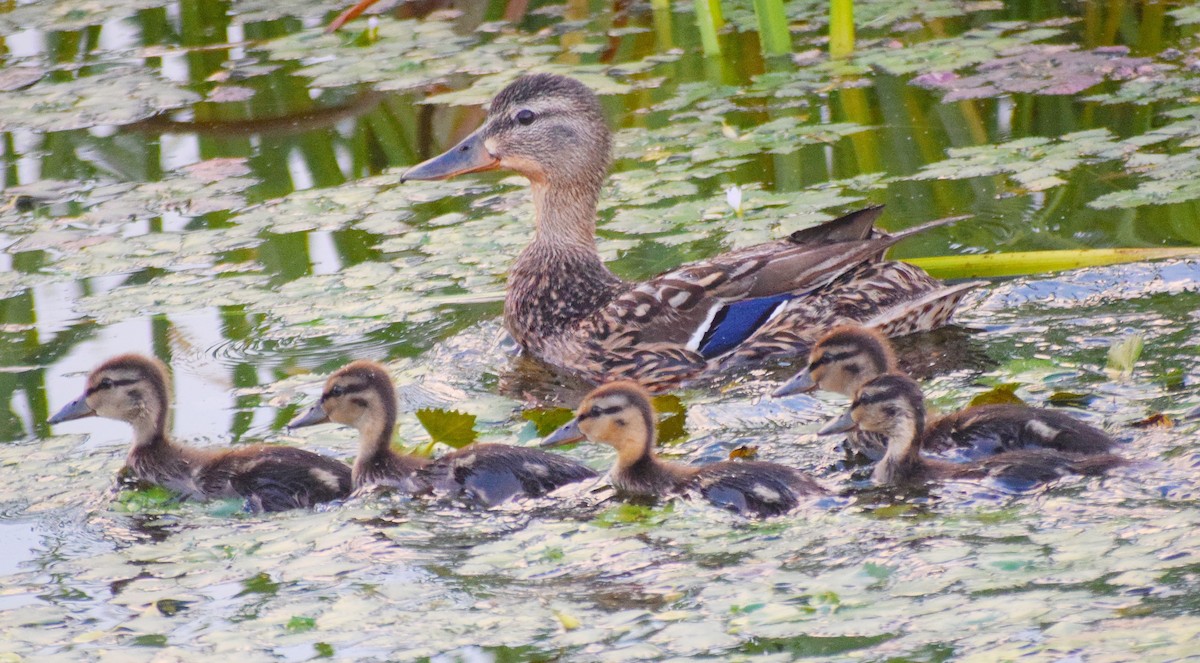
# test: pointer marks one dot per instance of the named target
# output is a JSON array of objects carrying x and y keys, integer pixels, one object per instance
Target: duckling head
[
  {"x": 132, "y": 388},
  {"x": 843, "y": 361},
  {"x": 891, "y": 405},
  {"x": 547, "y": 127},
  {"x": 618, "y": 414},
  {"x": 359, "y": 394}
]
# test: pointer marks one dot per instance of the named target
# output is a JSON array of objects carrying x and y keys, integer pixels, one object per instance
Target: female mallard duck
[
  {"x": 850, "y": 356},
  {"x": 133, "y": 388},
  {"x": 620, "y": 415},
  {"x": 892, "y": 406},
  {"x": 361, "y": 394},
  {"x": 564, "y": 307}
]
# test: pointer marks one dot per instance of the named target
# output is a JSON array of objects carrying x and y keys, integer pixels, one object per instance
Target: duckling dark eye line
[
  {"x": 600, "y": 412},
  {"x": 869, "y": 399},
  {"x": 830, "y": 357},
  {"x": 109, "y": 384},
  {"x": 343, "y": 390}
]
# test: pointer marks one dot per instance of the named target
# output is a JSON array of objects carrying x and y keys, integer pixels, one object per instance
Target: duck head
[
  {"x": 843, "y": 361},
  {"x": 359, "y": 394},
  {"x": 547, "y": 127},
  {"x": 132, "y": 388},
  {"x": 891, "y": 405},
  {"x": 618, "y": 414}
]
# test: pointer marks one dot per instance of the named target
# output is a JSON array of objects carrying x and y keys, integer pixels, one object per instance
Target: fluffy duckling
[
  {"x": 849, "y": 357},
  {"x": 620, "y": 415},
  {"x": 842, "y": 361},
  {"x": 893, "y": 406},
  {"x": 361, "y": 394},
  {"x": 134, "y": 389}
]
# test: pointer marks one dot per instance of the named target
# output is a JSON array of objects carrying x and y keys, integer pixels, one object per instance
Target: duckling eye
[
  {"x": 106, "y": 383},
  {"x": 337, "y": 391},
  {"x": 525, "y": 117},
  {"x": 890, "y": 411}
]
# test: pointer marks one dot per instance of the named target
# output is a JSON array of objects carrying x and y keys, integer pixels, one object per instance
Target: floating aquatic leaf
[
  {"x": 1001, "y": 394},
  {"x": 1070, "y": 399},
  {"x": 78, "y": 103},
  {"x": 450, "y": 427},
  {"x": 300, "y": 624},
  {"x": 1156, "y": 420},
  {"x": 547, "y": 420},
  {"x": 1039, "y": 69},
  {"x": 744, "y": 452},
  {"x": 1123, "y": 356}
]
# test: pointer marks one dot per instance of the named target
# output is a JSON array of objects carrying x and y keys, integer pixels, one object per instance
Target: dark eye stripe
[
  {"x": 601, "y": 411},
  {"x": 877, "y": 397},
  {"x": 829, "y": 357},
  {"x": 350, "y": 389},
  {"x": 110, "y": 384}
]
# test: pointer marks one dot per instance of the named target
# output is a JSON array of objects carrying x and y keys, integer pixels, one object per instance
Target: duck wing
[
  {"x": 988, "y": 430},
  {"x": 494, "y": 473},
  {"x": 755, "y": 489},
  {"x": 276, "y": 478},
  {"x": 713, "y": 306}
]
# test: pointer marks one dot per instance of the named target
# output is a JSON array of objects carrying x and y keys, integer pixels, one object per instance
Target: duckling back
[
  {"x": 495, "y": 473},
  {"x": 755, "y": 489},
  {"x": 275, "y": 478},
  {"x": 987, "y": 430}
]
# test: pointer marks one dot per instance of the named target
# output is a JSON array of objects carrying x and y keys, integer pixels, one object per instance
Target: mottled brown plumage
[
  {"x": 564, "y": 307},
  {"x": 134, "y": 389},
  {"x": 361, "y": 394},
  {"x": 621, "y": 415},
  {"x": 893, "y": 407}
]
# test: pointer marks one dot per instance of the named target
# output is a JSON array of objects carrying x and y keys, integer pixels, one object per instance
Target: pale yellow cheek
[{"x": 528, "y": 168}]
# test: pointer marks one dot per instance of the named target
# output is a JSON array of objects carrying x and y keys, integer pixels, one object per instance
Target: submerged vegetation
[{"x": 218, "y": 184}]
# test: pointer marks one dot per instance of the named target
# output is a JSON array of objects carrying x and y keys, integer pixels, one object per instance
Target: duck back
[
  {"x": 986, "y": 430},
  {"x": 755, "y": 489},
  {"x": 495, "y": 473},
  {"x": 274, "y": 478}
]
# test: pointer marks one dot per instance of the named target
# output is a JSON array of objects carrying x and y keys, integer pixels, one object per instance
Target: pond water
[{"x": 217, "y": 184}]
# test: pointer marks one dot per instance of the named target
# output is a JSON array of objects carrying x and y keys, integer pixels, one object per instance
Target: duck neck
[
  {"x": 565, "y": 215},
  {"x": 903, "y": 453},
  {"x": 559, "y": 279},
  {"x": 640, "y": 471},
  {"x": 374, "y": 443}
]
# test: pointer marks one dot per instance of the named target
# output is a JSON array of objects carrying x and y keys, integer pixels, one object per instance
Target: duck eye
[
  {"x": 106, "y": 383},
  {"x": 525, "y": 117},
  {"x": 890, "y": 411},
  {"x": 337, "y": 391}
]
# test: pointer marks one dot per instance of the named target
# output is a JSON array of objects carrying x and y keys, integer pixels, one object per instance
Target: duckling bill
[
  {"x": 361, "y": 394},
  {"x": 563, "y": 306},
  {"x": 621, "y": 415},
  {"x": 893, "y": 407},
  {"x": 134, "y": 389}
]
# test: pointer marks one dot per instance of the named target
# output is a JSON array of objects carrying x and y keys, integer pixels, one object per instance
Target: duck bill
[
  {"x": 843, "y": 424},
  {"x": 76, "y": 409},
  {"x": 566, "y": 434},
  {"x": 802, "y": 383},
  {"x": 310, "y": 417},
  {"x": 469, "y": 156}
]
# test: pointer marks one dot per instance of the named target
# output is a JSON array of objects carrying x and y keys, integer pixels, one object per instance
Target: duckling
[
  {"x": 850, "y": 356},
  {"x": 361, "y": 394},
  {"x": 893, "y": 406},
  {"x": 620, "y": 415},
  {"x": 134, "y": 388},
  {"x": 564, "y": 307}
]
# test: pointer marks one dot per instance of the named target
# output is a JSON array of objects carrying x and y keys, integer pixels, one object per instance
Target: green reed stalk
[
  {"x": 841, "y": 28},
  {"x": 1023, "y": 263},
  {"x": 710, "y": 20},
  {"x": 773, "y": 27}
]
